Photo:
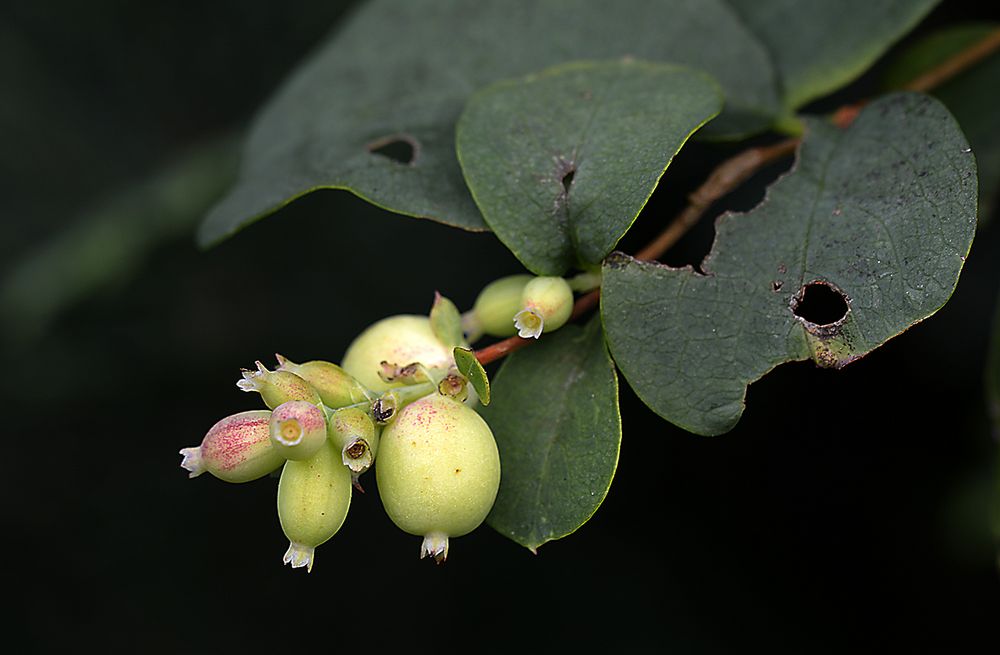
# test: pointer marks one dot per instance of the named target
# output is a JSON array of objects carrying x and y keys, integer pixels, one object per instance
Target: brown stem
[
  {"x": 723, "y": 179},
  {"x": 728, "y": 175},
  {"x": 960, "y": 61},
  {"x": 935, "y": 77},
  {"x": 500, "y": 349}
]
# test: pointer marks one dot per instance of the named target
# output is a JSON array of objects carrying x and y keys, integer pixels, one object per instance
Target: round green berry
[
  {"x": 438, "y": 471},
  {"x": 400, "y": 340}
]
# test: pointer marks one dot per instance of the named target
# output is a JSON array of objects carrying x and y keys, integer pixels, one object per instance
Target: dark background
[{"x": 847, "y": 509}]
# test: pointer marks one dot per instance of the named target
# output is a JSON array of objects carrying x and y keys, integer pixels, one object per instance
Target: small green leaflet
[
  {"x": 446, "y": 322},
  {"x": 556, "y": 421},
  {"x": 473, "y": 371},
  {"x": 878, "y": 217}
]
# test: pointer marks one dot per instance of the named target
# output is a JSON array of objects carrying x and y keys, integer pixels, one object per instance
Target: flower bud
[
  {"x": 547, "y": 303},
  {"x": 297, "y": 429},
  {"x": 277, "y": 387},
  {"x": 497, "y": 303},
  {"x": 354, "y": 433},
  {"x": 438, "y": 471},
  {"x": 399, "y": 340},
  {"x": 313, "y": 498},
  {"x": 236, "y": 449},
  {"x": 335, "y": 386}
]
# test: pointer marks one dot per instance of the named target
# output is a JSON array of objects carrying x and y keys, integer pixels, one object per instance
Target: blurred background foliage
[{"x": 847, "y": 508}]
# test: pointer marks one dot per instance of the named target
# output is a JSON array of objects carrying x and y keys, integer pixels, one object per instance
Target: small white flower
[{"x": 529, "y": 324}]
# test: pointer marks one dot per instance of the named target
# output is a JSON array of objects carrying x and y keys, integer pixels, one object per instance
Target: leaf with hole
[
  {"x": 972, "y": 97},
  {"x": 473, "y": 371},
  {"x": 373, "y": 111},
  {"x": 818, "y": 46},
  {"x": 866, "y": 236},
  {"x": 556, "y": 421},
  {"x": 561, "y": 162}
]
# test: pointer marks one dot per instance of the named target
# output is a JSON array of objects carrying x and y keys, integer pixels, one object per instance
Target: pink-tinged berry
[
  {"x": 438, "y": 471},
  {"x": 335, "y": 386},
  {"x": 277, "y": 387},
  {"x": 236, "y": 449},
  {"x": 298, "y": 429},
  {"x": 313, "y": 498}
]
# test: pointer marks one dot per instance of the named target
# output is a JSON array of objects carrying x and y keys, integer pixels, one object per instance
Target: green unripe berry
[
  {"x": 297, "y": 429},
  {"x": 353, "y": 432},
  {"x": 236, "y": 449},
  {"x": 401, "y": 340},
  {"x": 438, "y": 471},
  {"x": 313, "y": 498},
  {"x": 546, "y": 305},
  {"x": 497, "y": 303},
  {"x": 335, "y": 386},
  {"x": 277, "y": 387}
]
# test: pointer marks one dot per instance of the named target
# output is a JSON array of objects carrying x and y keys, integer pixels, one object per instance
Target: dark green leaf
[
  {"x": 395, "y": 77},
  {"x": 474, "y": 372},
  {"x": 884, "y": 211},
  {"x": 973, "y": 97},
  {"x": 446, "y": 322},
  {"x": 555, "y": 417},
  {"x": 560, "y": 163},
  {"x": 818, "y": 46}
]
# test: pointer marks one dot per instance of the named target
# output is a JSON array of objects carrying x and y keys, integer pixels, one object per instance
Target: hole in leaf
[
  {"x": 401, "y": 148},
  {"x": 567, "y": 180},
  {"x": 820, "y": 303}
]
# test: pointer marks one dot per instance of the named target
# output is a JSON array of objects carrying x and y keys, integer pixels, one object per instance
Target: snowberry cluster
[{"x": 396, "y": 397}]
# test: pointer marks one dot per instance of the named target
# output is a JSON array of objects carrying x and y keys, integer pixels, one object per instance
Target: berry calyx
[
  {"x": 354, "y": 433},
  {"x": 297, "y": 429},
  {"x": 438, "y": 471}
]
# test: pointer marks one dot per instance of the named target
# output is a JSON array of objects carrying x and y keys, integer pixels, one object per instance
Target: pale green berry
[
  {"x": 335, "y": 386},
  {"x": 313, "y": 498},
  {"x": 354, "y": 432},
  {"x": 546, "y": 305},
  {"x": 298, "y": 429},
  {"x": 277, "y": 387},
  {"x": 497, "y": 303},
  {"x": 236, "y": 449},
  {"x": 438, "y": 471},
  {"x": 399, "y": 340}
]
